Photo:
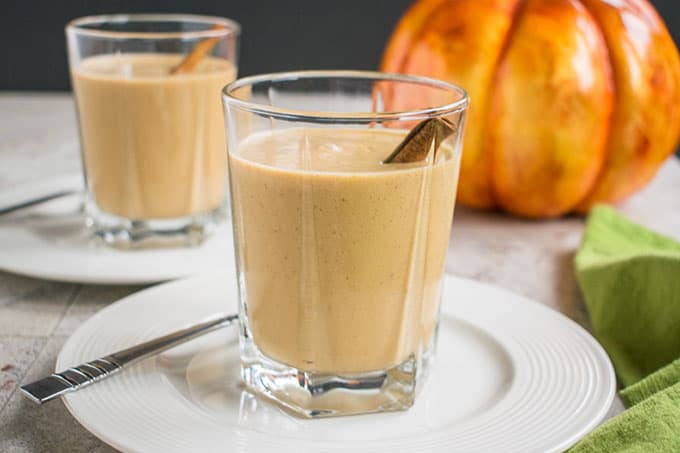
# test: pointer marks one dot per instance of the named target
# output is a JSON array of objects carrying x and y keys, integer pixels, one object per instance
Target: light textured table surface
[{"x": 38, "y": 139}]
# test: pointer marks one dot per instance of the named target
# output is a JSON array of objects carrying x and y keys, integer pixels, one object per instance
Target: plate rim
[{"x": 58, "y": 274}]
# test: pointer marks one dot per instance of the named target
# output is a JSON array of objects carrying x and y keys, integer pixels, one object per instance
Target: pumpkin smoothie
[
  {"x": 341, "y": 256},
  {"x": 153, "y": 142}
]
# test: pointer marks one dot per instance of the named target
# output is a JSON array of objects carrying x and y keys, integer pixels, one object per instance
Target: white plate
[
  {"x": 50, "y": 241},
  {"x": 511, "y": 375}
]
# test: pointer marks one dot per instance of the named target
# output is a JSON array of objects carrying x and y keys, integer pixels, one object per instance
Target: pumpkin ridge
[
  {"x": 488, "y": 149},
  {"x": 610, "y": 120},
  {"x": 649, "y": 142},
  {"x": 545, "y": 156}
]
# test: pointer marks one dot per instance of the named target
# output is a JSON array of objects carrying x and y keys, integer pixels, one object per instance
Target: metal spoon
[
  {"x": 77, "y": 377},
  {"x": 35, "y": 201}
]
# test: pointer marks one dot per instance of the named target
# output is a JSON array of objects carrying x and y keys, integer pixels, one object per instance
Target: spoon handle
[
  {"x": 75, "y": 378},
  {"x": 34, "y": 201}
]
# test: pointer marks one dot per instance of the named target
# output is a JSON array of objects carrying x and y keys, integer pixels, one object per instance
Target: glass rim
[
  {"x": 346, "y": 117},
  {"x": 78, "y": 26}
]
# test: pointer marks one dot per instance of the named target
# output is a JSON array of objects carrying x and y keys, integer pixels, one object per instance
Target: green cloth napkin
[
  {"x": 651, "y": 426},
  {"x": 630, "y": 279}
]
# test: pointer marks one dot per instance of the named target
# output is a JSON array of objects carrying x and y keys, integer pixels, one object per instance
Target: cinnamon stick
[
  {"x": 197, "y": 54},
  {"x": 417, "y": 144}
]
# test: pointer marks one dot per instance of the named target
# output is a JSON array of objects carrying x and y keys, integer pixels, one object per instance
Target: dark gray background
[{"x": 278, "y": 34}]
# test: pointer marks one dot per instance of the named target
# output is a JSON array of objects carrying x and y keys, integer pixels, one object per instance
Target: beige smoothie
[
  {"x": 341, "y": 256},
  {"x": 153, "y": 142}
]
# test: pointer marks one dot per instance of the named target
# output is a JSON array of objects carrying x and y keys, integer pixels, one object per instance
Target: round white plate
[
  {"x": 50, "y": 241},
  {"x": 511, "y": 375}
]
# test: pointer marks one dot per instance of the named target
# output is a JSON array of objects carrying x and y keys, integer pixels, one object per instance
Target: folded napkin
[{"x": 630, "y": 279}]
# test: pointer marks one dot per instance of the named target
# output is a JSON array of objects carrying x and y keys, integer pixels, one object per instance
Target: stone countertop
[{"x": 38, "y": 138}]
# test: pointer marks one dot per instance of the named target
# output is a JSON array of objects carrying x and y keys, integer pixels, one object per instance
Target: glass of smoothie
[
  {"x": 340, "y": 255},
  {"x": 147, "y": 90}
]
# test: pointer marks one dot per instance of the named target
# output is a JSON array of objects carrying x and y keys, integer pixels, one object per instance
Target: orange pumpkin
[{"x": 574, "y": 102}]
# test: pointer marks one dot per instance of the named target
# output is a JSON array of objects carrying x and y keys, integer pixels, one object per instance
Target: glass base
[
  {"x": 126, "y": 233},
  {"x": 314, "y": 395}
]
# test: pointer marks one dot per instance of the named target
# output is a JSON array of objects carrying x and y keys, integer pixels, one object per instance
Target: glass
[
  {"x": 340, "y": 257},
  {"x": 151, "y": 125}
]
